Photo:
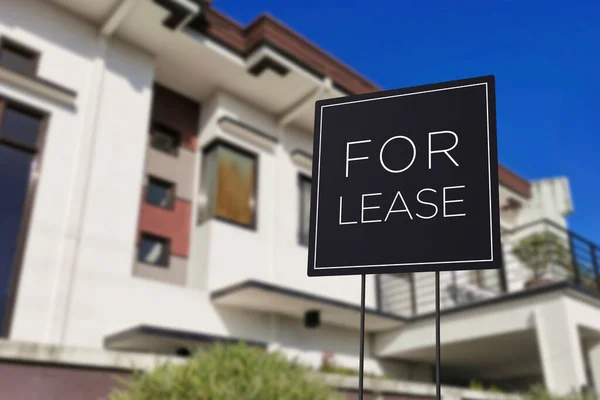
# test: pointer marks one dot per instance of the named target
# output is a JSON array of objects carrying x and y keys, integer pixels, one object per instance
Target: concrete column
[
  {"x": 560, "y": 349},
  {"x": 593, "y": 352}
]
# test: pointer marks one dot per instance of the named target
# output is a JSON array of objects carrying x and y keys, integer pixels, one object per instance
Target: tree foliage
[
  {"x": 226, "y": 372},
  {"x": 542, "y": 250}
]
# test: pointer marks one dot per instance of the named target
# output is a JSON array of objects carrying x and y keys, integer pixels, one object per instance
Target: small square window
[
  {"x": 164, "y": 139},
  {"x": 305, "y": 187},
  {"x": 18, "y": 58},
  {"x": 160, "y": 193},
  {"x": 19, "y": 126},
  {"x": 154, "y": 250}
]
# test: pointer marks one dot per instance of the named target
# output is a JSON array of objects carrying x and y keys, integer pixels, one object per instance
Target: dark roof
[
  {"x": 168, "y": 333},
  {"x": 266, "y": 30}
]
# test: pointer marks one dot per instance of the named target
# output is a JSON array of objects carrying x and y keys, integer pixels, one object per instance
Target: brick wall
[{"x": 25, "y": 381}]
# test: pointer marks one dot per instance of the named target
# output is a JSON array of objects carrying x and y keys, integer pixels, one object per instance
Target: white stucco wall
[
  {"x": 272, "y": 252},
  {"x": 67, "y": 47},
  {"x": 560, "y": 344},
  {"x": 77, "y": 284},
  {"x": 550, "y": 199}
]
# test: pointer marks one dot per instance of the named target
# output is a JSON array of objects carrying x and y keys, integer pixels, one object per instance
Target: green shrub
[
  {"x": 540, "y": 393},
  {"x": 539, "y": 251},
  {"x": 476, "y": 385},
  {"x": 226, "y": 372},
  {"x": 340, "y": 370},
  {"x": 494, "y": 389}
]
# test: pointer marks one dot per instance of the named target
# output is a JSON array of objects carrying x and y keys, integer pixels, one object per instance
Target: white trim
[
  {"x": 316, "y": 266},
  {"x": 396, "y": 387},
  {"x": 264, "y": 51},
  {"x": 28, "y": 83},
  {"x": 303, "y": 161},
  {"x": 309, "y": 99},
  {"x": 88, "y": 357},
  {"x": 117, "y": 16},
  {"x": 246, "y": 135}
]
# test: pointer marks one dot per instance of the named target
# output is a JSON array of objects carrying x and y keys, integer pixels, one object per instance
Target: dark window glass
[
  {"x": 164, "y": 139},
  {"x": 15, "y": 168},
  {"x": 20, "y": 127},
  {"x": 18, "y": 59},
  {"x": 229, "y": 185},
  {"x": 154, "y": 250},
  {"x": 160, "y": 193},
  {"x": 305, "y": 185}
]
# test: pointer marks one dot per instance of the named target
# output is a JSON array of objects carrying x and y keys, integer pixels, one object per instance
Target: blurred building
[{"x": 156, "y": 157}]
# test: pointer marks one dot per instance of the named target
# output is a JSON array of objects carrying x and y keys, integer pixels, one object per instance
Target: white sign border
[{"x": 487, "y": 104}]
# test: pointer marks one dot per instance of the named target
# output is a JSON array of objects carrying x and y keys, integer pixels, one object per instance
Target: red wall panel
[{"x": 173, "y": 224}]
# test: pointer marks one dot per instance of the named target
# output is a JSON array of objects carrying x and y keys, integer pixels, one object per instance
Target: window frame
[
  {"x": 172, "y": 186},
  {"x": 165, "y": 259},
  {"x": 25, "y": 109},
  {"x": 30, "y": 196},
  {"x": 155, "y": 125},
  {"x": 214, "y": 145},
  {"x": 17, "y": 47},
  {"x": 302, "y": 179}
]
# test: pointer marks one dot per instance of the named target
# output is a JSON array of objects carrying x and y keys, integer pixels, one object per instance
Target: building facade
[{"x": 156, "y": 157}]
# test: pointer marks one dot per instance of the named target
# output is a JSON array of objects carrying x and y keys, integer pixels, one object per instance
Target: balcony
[{"x": 538, "y": 256}]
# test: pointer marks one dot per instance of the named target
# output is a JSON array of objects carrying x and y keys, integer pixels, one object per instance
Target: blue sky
[{"x": 545, "y": 56}]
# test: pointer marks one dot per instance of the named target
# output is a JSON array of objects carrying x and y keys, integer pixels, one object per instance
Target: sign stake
[
  {"x": 437, "y": 335},
  {"x": 436, "y": 179},
  {"x": 362, "y": 338}
]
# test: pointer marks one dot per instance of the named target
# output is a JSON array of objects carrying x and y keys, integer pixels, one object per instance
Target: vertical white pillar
[
  {"x": 560, "y": 349},
  {"x": 594, "y": 359}
]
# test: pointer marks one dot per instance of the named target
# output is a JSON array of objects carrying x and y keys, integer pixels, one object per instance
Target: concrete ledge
[
  {"x": 73, "y": 356},
  {"x": 302, "y": 159},
  {"x": 248, "y": 133},
  {"x": 25, "y": 352},
  {"x": 385, "y": 386},
  {"x": 38, "y": 86}
]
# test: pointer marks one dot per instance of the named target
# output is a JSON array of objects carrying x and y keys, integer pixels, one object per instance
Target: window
[
  {"x": 229, "y": 185},
  {"x": 305, "y": 185},
  {"x": 160, "y": 193},
  {"x": 20, "y": 129},
  {"x": 154, "y": 250},
  {"x": 164, "y": 139},
  {"x": 18, "y": 58}
]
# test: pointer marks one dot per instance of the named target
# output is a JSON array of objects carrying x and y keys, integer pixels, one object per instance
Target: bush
[
  {"x": 226, "y": 372},
  {"x": 540, "y": 393},
  {"x": 328, "y": 366},
  {"x": 540, "y": 251}
]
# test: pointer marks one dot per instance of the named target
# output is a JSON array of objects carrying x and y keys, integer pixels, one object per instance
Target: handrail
[
  {"x": 553, "y": 224},
  {"x": 583, "y": 271}
]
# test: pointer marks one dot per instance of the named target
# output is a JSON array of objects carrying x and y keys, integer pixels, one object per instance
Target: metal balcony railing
[{"x": 534, "y": 255}]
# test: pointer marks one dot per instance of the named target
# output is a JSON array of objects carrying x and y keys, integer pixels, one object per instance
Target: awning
[
  {"x": 265, "y": 297},
  {"x": 145, "y": 338}
]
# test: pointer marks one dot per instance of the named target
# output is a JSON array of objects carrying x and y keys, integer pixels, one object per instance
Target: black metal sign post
[
  {"x": 361, "y": 360},
  {"x": 414, "y": 169},
  {"x": 437, "y": 336}
]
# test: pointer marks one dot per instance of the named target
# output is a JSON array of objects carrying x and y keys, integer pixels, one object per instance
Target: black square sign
[{"x": 406, "y": 180}]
